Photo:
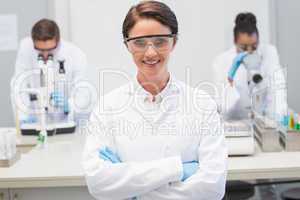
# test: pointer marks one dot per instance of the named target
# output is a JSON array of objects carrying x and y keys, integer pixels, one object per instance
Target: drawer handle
[
  {"x": 15, "y": 197},
  {"x": 1, "y": 196}
]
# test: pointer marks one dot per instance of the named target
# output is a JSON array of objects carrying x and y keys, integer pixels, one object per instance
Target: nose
[
  {"x": 250, "y": 49},
  {"x": 150, "y": 51},
  {"x": 45, "y": 55}
]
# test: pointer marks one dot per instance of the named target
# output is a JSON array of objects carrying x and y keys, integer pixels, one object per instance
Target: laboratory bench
[
  {"x": 57, "y": 170},
  {"x": 51, "y": 173}
]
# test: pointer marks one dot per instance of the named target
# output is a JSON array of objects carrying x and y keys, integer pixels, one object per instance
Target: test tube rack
[{"x": 267, "y": 137}]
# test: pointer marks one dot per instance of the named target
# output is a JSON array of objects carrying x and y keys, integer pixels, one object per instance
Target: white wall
[
  {"x": 205, "y": 28},
  {"x": 288, "y": 31},
  {"x": 60, "y": 11}
]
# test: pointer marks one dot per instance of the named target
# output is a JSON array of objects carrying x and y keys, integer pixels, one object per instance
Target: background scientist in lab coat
[
  {"x": 154, "y": 138},
  {"x": 45, "y": 40},
  {"x": 235, "y": 101}
]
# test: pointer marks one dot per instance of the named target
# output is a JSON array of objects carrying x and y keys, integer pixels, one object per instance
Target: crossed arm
[{"x": 156, "y": 179}]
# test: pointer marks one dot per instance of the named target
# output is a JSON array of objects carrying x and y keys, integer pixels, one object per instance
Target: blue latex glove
[
  {"x": 29, "y": 120},
  {"x": 189, "y": 168},
  {"x": 57, "y": 99},
  {"x": 237, "y": 61},
  {"x": 107, "y": 154}
]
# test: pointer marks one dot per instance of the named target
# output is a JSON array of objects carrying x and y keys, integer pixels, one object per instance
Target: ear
[
  {"x": 126, "y": 45},
  {"x": 175, "y": 42}
]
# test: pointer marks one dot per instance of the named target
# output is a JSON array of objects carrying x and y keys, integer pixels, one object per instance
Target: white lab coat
[
  {"x": 152, "y": 140},
  {"x": 75, "y": 68},
  {"x": 238, "y": 106}
]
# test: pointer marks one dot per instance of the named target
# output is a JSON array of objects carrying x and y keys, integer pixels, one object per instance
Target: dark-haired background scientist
[{"x": 246, "y": 65}]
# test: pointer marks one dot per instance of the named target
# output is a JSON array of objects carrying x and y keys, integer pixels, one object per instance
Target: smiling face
[{"x": 151, "y": 63}]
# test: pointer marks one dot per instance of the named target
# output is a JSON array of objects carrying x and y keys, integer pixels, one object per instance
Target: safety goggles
[
  {"x": 47, "y": 50},
  {"x": 160, "y": 43},
  {"x": 242, "y": 47}
]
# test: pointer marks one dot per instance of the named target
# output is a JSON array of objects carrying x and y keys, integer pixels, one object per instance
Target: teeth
[{"x": 151, "y": 62}]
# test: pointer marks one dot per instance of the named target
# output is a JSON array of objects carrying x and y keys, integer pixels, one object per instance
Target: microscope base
[{"x": 52, "y": 129}]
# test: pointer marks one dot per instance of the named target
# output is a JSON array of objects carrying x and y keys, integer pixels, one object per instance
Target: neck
[{"x": 154, "y": 84}]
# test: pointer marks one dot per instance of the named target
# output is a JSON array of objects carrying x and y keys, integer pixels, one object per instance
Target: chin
[{"x": 153, "y": 69}]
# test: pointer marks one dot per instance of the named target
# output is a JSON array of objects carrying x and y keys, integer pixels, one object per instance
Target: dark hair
[
  {"x": 245, "y": 23},
  {"x": 45, "y": 29},
  {"x": 150, "y": 10}
]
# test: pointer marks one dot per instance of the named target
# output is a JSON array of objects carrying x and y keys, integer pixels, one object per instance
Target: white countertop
[
  {"x": 55, "y": 166},
  {"x": 59, "y": 165},
  {"x": 262, "y": 165}
]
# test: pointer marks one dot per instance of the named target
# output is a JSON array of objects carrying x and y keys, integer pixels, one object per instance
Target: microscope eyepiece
[
  {"x": 257, "y": 78},
  {"x": 50, "y": 57},
  {"x": 40, "y": 57}
]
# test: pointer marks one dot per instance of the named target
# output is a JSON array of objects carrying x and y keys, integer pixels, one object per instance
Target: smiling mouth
[{"x": 151, "y": 63}]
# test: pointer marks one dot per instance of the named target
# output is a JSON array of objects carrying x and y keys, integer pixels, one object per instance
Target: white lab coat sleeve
[
  {"x": 209, "y": 181},
  {"x": 270, "y": 58},
  {"x": 79, "y": 89},
  {"x": 277, "y": 102},
  {"x": 218, "y": 81},
  {"x": 122, "y": 180},
  {"x": 226, "y": 95},
  {"x": 22, "y": 65},
  {"x": 23, "y": 59},
  {"x": 80, "y": 66}
]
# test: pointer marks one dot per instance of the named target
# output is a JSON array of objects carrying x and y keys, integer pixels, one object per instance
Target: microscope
[
  {"x": 52, "y": 119},
  {"x": 240, "y": 132},
  {"x": 252, "y": 63},
  {"x": 264, "y": 124},
  {"x": 259, "y": 91}
]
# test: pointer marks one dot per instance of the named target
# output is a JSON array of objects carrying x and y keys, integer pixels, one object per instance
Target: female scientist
[
  {"x": 162, "y": 143},
  {"x": 248, "y": 67}
]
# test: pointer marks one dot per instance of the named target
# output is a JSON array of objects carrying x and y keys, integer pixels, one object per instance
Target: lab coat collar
[
  {"x": 168, "y": 97},
  {"x": 170, "y": 89}
]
